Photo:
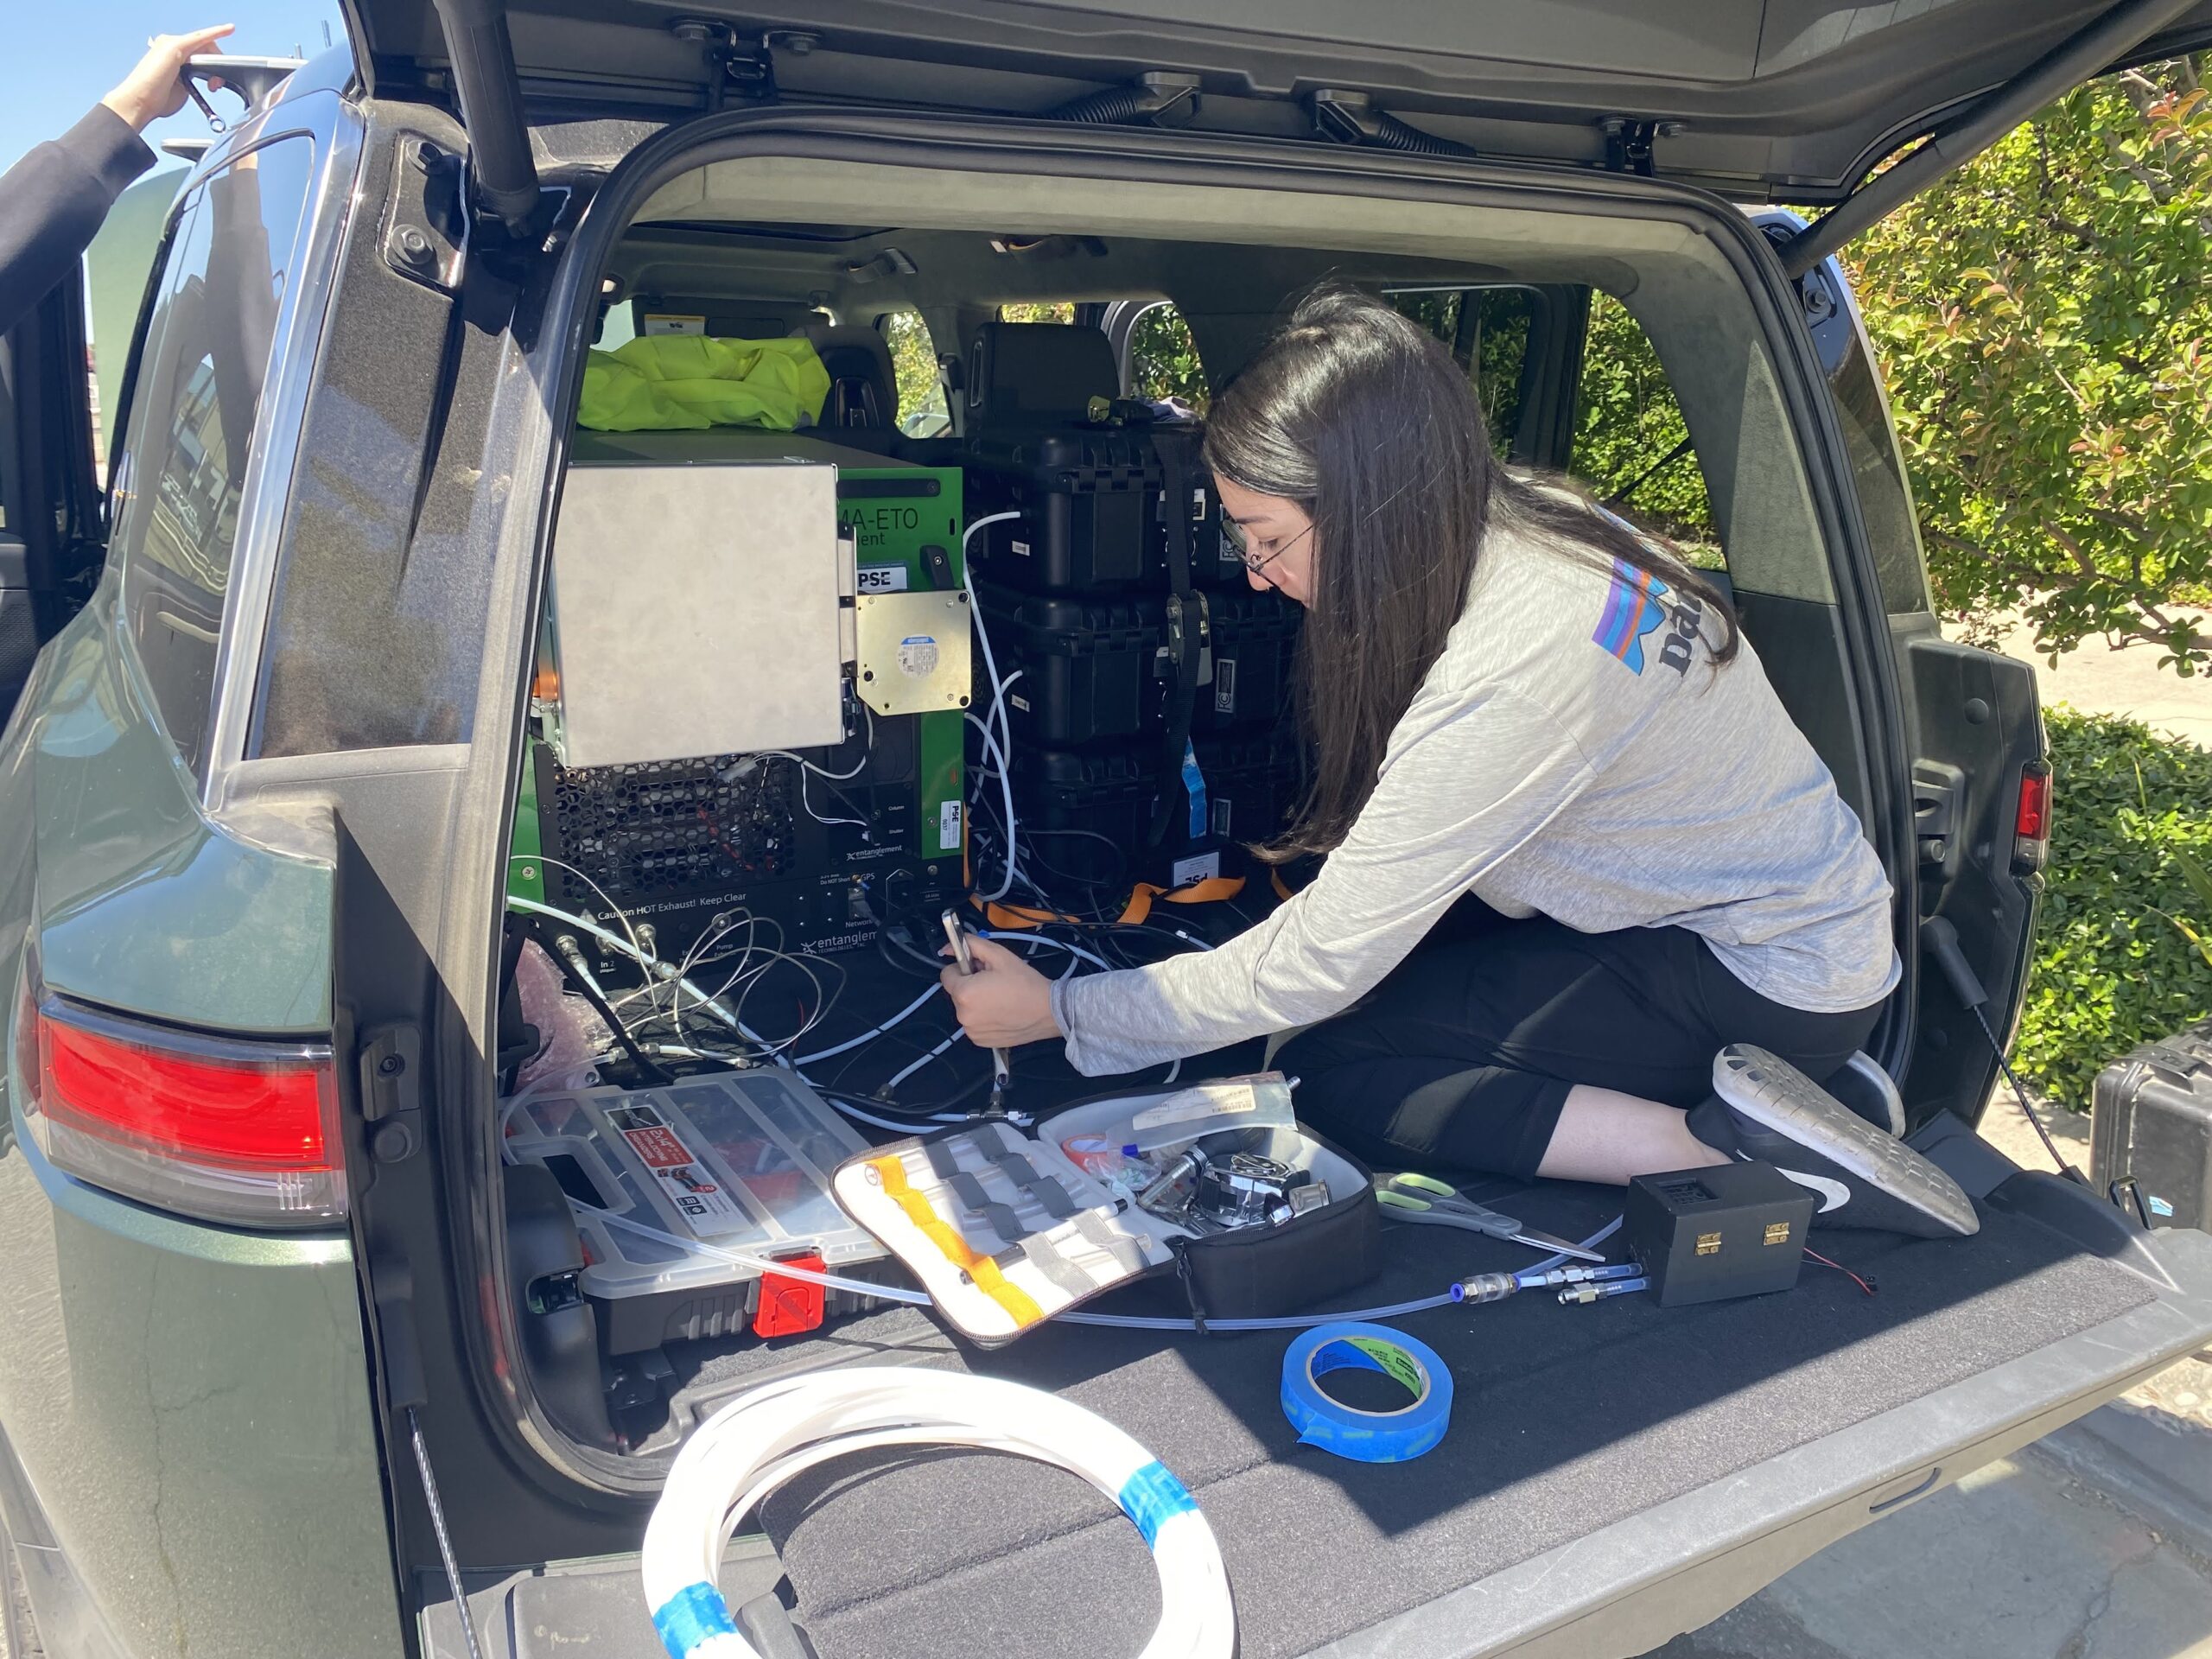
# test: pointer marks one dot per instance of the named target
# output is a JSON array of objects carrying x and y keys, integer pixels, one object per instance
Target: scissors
[{"x": 1425, "y": 1200}]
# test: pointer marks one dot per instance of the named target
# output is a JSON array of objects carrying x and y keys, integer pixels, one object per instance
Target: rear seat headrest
[
  {"x": 863, "y": 390},
  {"x": 1031, "y": 371}
]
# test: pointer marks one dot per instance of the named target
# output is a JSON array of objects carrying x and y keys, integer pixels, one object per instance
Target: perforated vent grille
[{"x": 673, "y": 826}]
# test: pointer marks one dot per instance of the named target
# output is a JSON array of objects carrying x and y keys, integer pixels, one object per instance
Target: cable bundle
[{"x": 760, "y": 1439}]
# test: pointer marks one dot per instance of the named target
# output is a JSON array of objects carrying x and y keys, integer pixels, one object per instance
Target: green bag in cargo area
[{"x": 667, "y": 383}]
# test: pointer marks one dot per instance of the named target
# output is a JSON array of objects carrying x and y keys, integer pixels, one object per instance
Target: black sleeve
[{"x": 53, "y": 201}]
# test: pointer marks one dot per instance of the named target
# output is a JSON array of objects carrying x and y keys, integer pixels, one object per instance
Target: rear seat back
[
  {"x": 863, "y": 407},
  {"x": 1032, "y": 374}
]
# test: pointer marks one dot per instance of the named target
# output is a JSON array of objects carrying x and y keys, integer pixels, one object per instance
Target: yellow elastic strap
[{"x": 1019, "y": 1305}]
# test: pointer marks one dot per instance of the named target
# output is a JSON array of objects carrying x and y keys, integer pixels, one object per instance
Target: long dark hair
[{"x": 1361, "y": 416}]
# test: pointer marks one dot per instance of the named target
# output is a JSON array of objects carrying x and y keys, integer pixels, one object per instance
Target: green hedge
[{"x": 2110, "y": 971}]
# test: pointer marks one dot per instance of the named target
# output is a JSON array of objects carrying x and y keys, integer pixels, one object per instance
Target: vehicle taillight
[
  {"x": 227, "y": 1130},
  {"x": 2031, "y": 823}
]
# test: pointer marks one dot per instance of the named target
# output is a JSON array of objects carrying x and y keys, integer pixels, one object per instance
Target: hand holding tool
[
  {"x": 1424, "y": 1199},
  {"x": 1001, "y": 1067}
]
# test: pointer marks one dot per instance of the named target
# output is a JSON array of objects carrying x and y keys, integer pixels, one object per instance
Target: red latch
[{"x": 789, "y": 1306}]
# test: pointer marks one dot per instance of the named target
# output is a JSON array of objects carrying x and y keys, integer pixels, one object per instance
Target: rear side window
[
  {"x": 180, "y": 472},
  {"x": 1163, "y": 359},
  {"x": 1632, "y": 445},
  {"x": 922, "y": 409},
  {"x": 1487, "y": 332}
]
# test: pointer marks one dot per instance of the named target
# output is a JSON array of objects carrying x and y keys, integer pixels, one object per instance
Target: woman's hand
[
  {"x": 155, "y": 87},
  {"x": 1005, "y": 1003}
]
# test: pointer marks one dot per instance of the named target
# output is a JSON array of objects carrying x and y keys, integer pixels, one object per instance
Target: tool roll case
[
  {"x": 2151, "y": 1130},
  {"x": 1005, "y": 1230}
]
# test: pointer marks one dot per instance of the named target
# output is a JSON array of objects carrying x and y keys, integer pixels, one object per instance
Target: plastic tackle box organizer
[{"x": 725, "y": 1161}]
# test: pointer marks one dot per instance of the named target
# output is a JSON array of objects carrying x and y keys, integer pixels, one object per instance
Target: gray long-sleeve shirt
[{"x": 1574, "y": 752}]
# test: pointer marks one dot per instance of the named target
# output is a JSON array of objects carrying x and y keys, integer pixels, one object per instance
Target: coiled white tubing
[{"x": 764, "y": 1437}]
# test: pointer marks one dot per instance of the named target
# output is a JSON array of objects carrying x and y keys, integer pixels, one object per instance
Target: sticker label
[
  {"x": 917, "y": 655},
  {"x": 1022, "y": 548},
  {"x": 883, "y": 578},
  {"x": 671, "y": 322},
  {"x": 683, "y": 1183},
  {"x": 1399, "y": 1364},
  {"x": 1202, "y": 868},
  {"x": 1018, "y": 700},
  {"x": 948, "y": 826},
  {"x": 1224, "y": 685},
  {"x": 1198, "y": 503}
]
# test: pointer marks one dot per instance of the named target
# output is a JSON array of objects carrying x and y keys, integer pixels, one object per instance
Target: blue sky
[{"x": 61, "y": 57}]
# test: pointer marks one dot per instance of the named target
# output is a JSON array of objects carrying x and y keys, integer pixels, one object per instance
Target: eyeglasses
[{"x": 1242, "y": 543}]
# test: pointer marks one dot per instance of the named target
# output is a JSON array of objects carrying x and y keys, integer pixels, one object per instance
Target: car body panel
[
  {"x": 188, "y": 1424},
  {"x": 144, "y": 905}
]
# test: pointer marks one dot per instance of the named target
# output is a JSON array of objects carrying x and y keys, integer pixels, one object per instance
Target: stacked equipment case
[{"x": 1146, "y": 659}]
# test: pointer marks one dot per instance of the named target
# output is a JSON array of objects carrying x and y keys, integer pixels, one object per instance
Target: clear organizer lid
[{"x": 737, "y": 1161}]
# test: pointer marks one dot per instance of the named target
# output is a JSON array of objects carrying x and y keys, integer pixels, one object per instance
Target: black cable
[
  {"x": 535, "y": 925},
  {"x": 444, "y": 1537},
  {"x": 2049, "y": 1146}
]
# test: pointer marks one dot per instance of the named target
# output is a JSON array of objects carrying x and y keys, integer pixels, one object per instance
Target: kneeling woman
[{"x": 1543, "y": 755}]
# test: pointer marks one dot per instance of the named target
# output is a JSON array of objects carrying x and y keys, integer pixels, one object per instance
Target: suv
[{"x": 283, "y": 1327}]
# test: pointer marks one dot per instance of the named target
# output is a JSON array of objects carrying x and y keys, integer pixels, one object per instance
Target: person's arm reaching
[
  {"x": 53, "y": 201},
  {"x": 1457, "y": 799}
]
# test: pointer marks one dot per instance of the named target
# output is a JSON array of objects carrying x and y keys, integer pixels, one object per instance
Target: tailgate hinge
[
  {"x": 745, "y": 67},
  {"x": 1628, "y": 142}
]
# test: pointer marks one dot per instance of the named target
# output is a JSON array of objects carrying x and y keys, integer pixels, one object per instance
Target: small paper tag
[
  {"x": 948, "y": 826},
  {"x": 1203, "y": 867}
]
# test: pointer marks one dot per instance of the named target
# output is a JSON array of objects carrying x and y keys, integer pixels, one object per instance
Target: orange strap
[
  {"x": 1021, "y": 1306},
  {"x": 1275, "y": 878},
  {"x": 1014, "y": 918},
  {"x": 1199, "y": 892}
]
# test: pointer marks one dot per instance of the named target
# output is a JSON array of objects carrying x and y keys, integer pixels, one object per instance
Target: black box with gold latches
[{"x": 1706, "y": 1235}]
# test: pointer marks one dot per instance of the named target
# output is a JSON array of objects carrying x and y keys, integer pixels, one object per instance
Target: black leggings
[{"x": 1462, "y": 1058}]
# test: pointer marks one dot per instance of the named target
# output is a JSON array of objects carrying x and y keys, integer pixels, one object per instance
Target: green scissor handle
[{"x": 1429, "y": 1184}]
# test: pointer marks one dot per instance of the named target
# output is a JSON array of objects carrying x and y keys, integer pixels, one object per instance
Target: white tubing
[
  {"x": 991, "y": 673},
  {"x": 901, "y": 1076},
  {"x": 1013, "y": 937},
  {"x": 765, "y": 1436},
  {"x": 867, "y": 1036}
]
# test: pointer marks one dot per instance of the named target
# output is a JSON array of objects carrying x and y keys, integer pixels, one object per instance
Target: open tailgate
[
  {"x": 1613, "y": 1474},
  {"x": 1772, "y": 99}
]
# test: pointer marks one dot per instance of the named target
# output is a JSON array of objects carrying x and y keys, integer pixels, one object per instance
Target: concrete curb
[{"x": 2147, "y": 1460}]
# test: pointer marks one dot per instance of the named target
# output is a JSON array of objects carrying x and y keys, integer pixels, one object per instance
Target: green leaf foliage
[
  {"x": 2041, "y": 318},
  {"x": 1163, "y": 359},
  {"x": 1626, "y": 423},
  {"x": 2115, "y": 965}
]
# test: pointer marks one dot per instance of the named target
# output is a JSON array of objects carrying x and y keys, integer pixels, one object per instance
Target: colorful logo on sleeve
[{"x": 1632, "y": 611}]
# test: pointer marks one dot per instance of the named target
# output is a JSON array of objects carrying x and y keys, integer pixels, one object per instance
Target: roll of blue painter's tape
[{"x": 1366, "y": 1436}]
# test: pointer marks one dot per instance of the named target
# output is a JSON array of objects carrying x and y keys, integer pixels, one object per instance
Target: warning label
[{"x": 684, "y": 1181}]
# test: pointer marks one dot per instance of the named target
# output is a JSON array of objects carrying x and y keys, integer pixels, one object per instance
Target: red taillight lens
[
  {"x": 231, "y": 1130},
  {"x": 2031, "y": 822}
]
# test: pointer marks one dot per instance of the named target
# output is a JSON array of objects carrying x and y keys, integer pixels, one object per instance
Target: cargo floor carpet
[{"x": 1566, "y": 1418}]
